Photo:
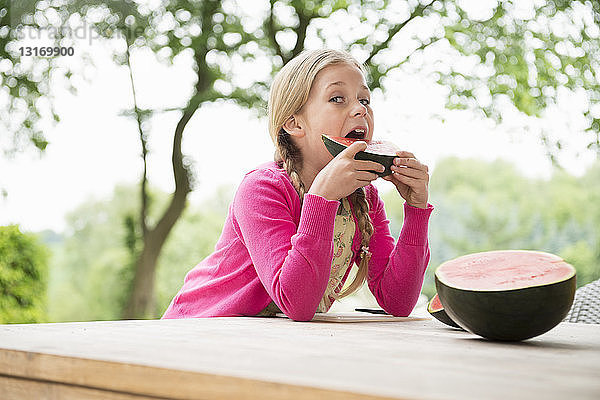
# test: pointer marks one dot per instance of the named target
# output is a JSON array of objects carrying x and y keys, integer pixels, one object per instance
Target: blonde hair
[{"x": 289, "y": 93}]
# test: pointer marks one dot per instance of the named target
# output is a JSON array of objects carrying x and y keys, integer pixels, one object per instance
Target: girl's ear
[{"x": 292, "y": 127}]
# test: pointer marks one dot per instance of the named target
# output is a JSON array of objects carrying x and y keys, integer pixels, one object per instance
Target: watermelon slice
[
  {"x": 436, "y": 309},
  {"x": 506, "y": 295},
  {"x": 380, "y": 151}
]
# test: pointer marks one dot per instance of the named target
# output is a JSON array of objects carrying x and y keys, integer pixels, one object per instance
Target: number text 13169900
[{"x": 47, "y": 51}]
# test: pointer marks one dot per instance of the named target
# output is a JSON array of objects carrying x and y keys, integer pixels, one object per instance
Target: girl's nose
[{"x": 359, "y": 109}]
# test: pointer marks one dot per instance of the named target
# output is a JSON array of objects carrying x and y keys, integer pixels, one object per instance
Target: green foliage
[
  {"x": 24, "y": 82},
  {"x": 481, "y": 206},
  {"x": 91, "y": 270},
  {"x": 585, "y": 259},
  {"x": 23, "y": 270},
  {"x": 524, "y": 55},
  {"x": 514, "y": 53},
  {"x": 87, "y": 271}
]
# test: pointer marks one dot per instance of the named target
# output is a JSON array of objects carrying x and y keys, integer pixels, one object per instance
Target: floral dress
[{"x": 343, "y": 235}]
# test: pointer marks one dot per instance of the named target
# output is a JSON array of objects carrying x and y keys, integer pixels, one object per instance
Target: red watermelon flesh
[
  {"x": 502, "y": 270},
  {"x": 436, "y": 309},
  {"x": 436, "y": 304}
]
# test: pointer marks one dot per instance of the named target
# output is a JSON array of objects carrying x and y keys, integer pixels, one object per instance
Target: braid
[
  {"x": 361, "y": 207},
  {"x": 288, "y": 156}
]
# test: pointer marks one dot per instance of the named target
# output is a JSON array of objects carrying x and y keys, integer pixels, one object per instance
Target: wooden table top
[{"x": 276, "y": 358}]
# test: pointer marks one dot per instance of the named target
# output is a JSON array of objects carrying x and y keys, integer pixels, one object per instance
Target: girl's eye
[
  {"x": 365, "y": 102},
  {"x": 336, "y": 99}
]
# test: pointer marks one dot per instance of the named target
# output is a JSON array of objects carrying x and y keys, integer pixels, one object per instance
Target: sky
[{"x": 93, "y": 148}]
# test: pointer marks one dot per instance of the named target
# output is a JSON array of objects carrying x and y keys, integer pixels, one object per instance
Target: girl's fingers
[
  {"x": 354, "y": 148},
  {"x": 410, "y": 162},
  {"x": 418, "y": 185},
  {"x": 412, "y": 182},
  {"x": 366, "y": 176},
  {"x": 412, "y": 172},
  {"x": 406, "y": 154},
  {"x": 365, "y": 165}
]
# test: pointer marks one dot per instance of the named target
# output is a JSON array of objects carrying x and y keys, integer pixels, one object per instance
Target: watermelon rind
[
  {"x": 440, "y": 314},
  {"x": 336, "y": 148},
  {"x": 509, "y": 314}
]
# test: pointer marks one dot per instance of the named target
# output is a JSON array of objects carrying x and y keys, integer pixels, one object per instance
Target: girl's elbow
[
  {"x": 302, "y": 318},
  {"x": 399, "y": 309},
  {"x": 300, "y": 315},
  {"x": 300, "y": 311},
  {"x": 401, "y": 312},
  {"x": 300, "y": 308}
]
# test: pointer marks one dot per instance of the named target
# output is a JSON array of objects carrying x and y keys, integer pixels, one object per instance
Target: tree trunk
[{"x": 142, "y": 302}]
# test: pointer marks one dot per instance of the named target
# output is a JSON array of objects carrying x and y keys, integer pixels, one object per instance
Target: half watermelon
[
  {"x": 506, "y": 295},
  {"x": 380, "y": 151},
  {"x": 436, "y": 309}
]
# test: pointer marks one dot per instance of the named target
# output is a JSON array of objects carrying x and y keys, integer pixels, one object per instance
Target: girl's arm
[
  {"x": 397, "y": 269},
  {"x": 292, "y": 262}
]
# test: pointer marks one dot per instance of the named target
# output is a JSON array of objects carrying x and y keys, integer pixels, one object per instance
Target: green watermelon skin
[
  {"x": 440, "y": 314},
  {"x": 386, "y": 160},
  {"x": 508, "y": 315}
]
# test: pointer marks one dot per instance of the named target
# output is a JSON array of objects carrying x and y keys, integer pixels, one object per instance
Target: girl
[{"x": 296, "y": 225}]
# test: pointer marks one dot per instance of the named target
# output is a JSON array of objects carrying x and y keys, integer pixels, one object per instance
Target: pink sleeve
[
  {"x": 397, "y": 269},
  {"x": 292, "y": 262}
]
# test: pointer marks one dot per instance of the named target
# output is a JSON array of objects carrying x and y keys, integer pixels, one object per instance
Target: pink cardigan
[{"x": 271, "y": 248}]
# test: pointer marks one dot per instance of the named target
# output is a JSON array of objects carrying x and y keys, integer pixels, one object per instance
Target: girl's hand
[
  {"x": 343, "y": 175},
  {"x": 411, "y": 179}
]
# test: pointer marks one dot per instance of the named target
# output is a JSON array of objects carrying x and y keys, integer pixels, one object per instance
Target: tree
[
  {"x": 522, "y": 54},
  {"x": 91, "y": 269},
  {"x": 519, "y": 57}
]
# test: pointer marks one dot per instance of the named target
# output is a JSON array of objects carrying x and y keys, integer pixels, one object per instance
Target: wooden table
[{"x": 275, "y": 358}]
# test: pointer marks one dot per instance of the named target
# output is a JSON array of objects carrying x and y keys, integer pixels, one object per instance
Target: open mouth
[{"x": 358, "y": 133}]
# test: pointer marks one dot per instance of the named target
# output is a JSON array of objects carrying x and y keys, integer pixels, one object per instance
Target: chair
[{"x": 586, "y": 305}]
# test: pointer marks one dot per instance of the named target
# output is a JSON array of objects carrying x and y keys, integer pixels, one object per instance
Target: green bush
[{"x": 23, "y": 276}]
